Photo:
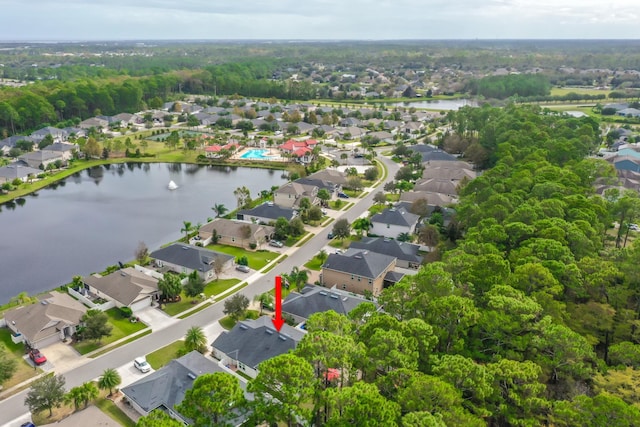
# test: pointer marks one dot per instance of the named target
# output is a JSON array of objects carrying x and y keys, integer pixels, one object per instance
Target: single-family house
[
  {"x": 126, "y": 119},
  {"x": 63, "y": 148},
  {"x": 8, "y": 143},
  {"x": 628, "y": 112},
  {"x": 57, "y": 135},
  {"x": 433, "y": 199},
  {"x": 41, "y": 159},
  {"x": 251, "y": 342},
  {"x": 230, "y": 232},
  {"x": 16, "y": 170},
  {"x": 94, "y": 122},
  {"x": 437, "y": 155},
  {"x": 412, "y": 127},
  {"x": 266, "y": 213},
  {"x": 407, "y": 255},
  {"x": 321, "y": 184},
  {"x": 316, "y": 299},
  {"x": 453, "y": 174},
  {"x": 126, "y": 287},
  {"x": 304, "y": 128},
  {"x": 53, "y": 318},
  {"x": 290, "y": 194},
  {"x": 354, "y": 132},
  {"x": 358, "y": 271},
  {"x": 334, "y": 176},
  {"x": 392, "y": 222},
  {"x": 165, "y": 388},
  {"x": 626, "y": 163},
  {"x": 437, "y": 185},
  {"x": 182, "y": 258}
]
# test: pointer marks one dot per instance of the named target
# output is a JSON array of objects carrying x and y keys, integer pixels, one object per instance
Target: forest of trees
[{"x": 501, "y": 87}]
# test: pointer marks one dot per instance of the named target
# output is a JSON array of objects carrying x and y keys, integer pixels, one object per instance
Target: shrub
[{"x": 126, "y": 312}]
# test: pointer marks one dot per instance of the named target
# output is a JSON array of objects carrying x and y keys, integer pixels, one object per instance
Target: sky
[{"x": 79, "y": 20}]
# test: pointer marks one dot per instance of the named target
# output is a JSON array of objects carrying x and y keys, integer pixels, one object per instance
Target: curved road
[{"x": 13, "y": 407}]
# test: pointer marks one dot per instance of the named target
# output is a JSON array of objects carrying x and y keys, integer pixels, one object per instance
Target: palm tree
[
  {"x": 361, "y": 225},
  {"x": 110, "y": 378},
  {"x": 90, "y": 392},
  {"x": 219, "y": 209},
  {"x": 265, "y": 299},
  {"x": 75, "y": 396},
  {"x": 188, "y": 228},
  {"x": 322, "y": 256},
  {"x": 297, "y": 277},
  {"x": 195, "y": 339}
]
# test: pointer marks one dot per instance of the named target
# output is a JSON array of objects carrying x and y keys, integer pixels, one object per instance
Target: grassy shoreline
[{"x": 81, "y": 165}]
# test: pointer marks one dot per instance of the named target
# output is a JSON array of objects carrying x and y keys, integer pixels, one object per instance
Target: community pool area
[{"x": 257, "y": 154}]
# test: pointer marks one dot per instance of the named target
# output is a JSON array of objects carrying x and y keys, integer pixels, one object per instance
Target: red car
[{"x": 37, "y": 357}]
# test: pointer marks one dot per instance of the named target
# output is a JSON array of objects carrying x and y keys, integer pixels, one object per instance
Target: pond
[
  {"x": 438, "y": 104},
  {"x": 98, "y": 217}
]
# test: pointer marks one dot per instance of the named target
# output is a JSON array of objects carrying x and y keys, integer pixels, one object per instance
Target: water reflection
[{"x": 130, "y": 205}]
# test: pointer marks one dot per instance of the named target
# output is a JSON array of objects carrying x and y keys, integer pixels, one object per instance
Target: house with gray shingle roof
[
  {"x": 41, "y": 159},
  {"x": 392, "y": 222},
  {"x": 15, "y": 170},
  {"x": 127, "y": 287},
  {"x": 266, "y": 213},
  {"x": 52, "y": 319},
  {"x": 316, "y": 299},
  {"x": 358, "y": 271},
  {"x": 407, "y": 254},
  {"x": 166, "y": 387},
  {"x": 251, "y": 342},
  {"x": 230, "y": 232},
  {"x": 290, "y": 194},
  {"x": 182, "y": 258},
  {"x": 8, "y": 143}
]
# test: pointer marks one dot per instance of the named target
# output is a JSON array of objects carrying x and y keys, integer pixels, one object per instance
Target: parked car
[
  {"x": 37, "y": 357},
  {"x": 141, "y": 364},
  {"x": 276, "y": 244},
  {"x": 343, "y": 195},
  {"x": 243, "y": 268}
]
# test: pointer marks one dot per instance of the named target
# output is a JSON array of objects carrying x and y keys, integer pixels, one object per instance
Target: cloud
[{"x": 317, "y": 19}]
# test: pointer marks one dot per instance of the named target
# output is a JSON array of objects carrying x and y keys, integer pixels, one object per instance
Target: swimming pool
[{"x": 259, "y": 154}]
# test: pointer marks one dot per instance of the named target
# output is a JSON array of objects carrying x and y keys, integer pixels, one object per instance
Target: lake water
[
  {"x": 99, "y": 216},
  {"x": 439, "y": 104}
]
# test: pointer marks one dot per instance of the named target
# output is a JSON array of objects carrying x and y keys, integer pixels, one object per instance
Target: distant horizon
[
  {"x": 101, "y": 20},
  {"x": 309, "y": 40}
]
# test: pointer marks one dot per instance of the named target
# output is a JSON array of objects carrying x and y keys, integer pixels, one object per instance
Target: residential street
[{"x": 13, "y": 410}]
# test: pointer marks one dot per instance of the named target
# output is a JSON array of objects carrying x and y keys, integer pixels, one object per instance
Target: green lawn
[
  {"x": 122, "y": 327},
  {"x": 23, "y": 371},
  {"x": 291, "y": 241},
  {"x": 314, "y": 264},
  {"x": 257, "y": 259},
  {"x": 164, "y": 355},
  {"x": 375, "y": 209},
  {"x": 228, "y": 323},
  {"x": 343, "y": 243},
  {"x": 211, "y": 289}
]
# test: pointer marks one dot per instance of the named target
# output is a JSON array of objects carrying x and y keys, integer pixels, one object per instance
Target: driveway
[
  {"x": 155, "y": 318},
  {"x": 60, "y": 357}
]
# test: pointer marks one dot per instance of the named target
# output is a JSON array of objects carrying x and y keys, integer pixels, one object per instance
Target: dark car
[
  {"x": 37, "y": 357},
  {"x": 343, "y": 195}
]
